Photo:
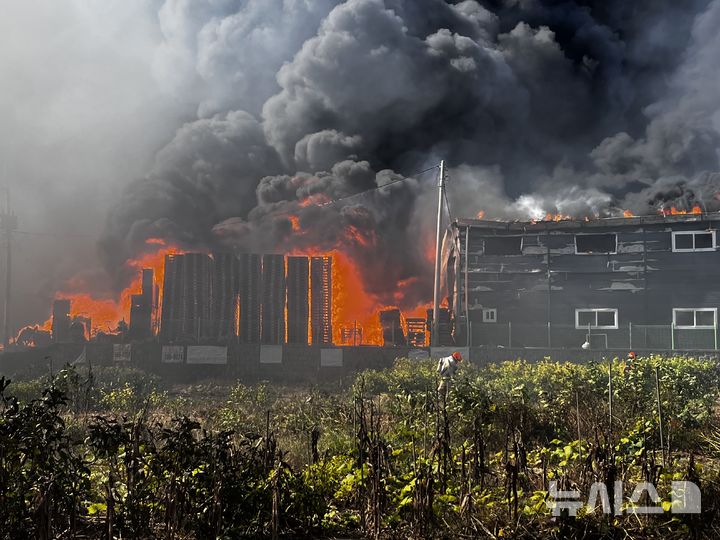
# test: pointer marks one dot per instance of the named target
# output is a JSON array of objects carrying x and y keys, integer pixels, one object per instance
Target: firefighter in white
[{"x": 446, "y": 368}]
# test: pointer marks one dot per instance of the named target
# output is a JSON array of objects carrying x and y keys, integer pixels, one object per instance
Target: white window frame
[
  {"x": 595, "y": 252},
  {"x": 596, "y": 311},
  {"x": 693, "y": 249},
  {"x": 486, "y": 315},
  {"x": 695, "y": 326}
]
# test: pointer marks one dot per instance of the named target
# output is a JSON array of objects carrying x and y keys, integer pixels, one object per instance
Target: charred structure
[
  {"x": 187, "y": 293},
  {"x": 226, "y": 288},
  {"x": 635, "y": 282},
  {"x": 393, "y": 333},
  {"x": 247, "y": 297},
  {"x": 141, "y": 308},
  {"x": 273, "y": 299},
  {"x": 416, "y": 331},
  {"x": 249, "y": 301},
  {"x": 61, "y": 321},
  {"x": 298, "y": 296},
  {"x": 321, "y": 300}
]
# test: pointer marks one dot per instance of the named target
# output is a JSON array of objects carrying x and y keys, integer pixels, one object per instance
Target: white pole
[{"x": 435, "y": 333}]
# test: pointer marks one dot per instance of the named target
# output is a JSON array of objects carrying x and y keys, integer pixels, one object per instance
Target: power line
[{"x": 376, "y": 188}]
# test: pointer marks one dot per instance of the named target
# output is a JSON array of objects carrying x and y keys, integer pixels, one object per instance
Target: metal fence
[{"x": 627, "y": 337}]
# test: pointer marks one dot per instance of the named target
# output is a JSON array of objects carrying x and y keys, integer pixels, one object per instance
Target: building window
[
  {"x": 695, "y": 317},
  {"x": 596, "y": 318},
  {"x": 503, "y": 245},
  {"x": 489, "y": 315},
  {"x": 693, "y": 241},
  {"x": 596, "y": 243}
]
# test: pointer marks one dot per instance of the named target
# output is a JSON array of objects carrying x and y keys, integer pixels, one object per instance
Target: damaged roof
[{"x": 578, "y": 224}]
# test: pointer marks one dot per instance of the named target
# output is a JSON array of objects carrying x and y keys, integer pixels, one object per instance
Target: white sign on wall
[
  {"x": 331, "y": 358},
  {"x": 271, "y": 354},
  {"x": 206, "y": 354},
  {"x": 122, "y": 352},
  {"x": 173, "y": 354}
]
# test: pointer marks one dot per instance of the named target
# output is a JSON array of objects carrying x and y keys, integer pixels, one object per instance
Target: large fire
[
  {"x": 352, "y": 305},
  {"x": 106, "y": 313}
]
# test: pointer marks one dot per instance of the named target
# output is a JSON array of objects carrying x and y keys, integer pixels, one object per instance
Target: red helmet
[
  {"x": 457, "y": 356},
  {"x": 631, "y": 355}
]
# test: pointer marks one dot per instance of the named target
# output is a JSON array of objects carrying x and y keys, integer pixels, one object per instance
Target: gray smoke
[{"x": 578, "y": 107}]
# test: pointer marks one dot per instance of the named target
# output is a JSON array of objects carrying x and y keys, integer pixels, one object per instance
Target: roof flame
[{"x": 673, "y": 211}]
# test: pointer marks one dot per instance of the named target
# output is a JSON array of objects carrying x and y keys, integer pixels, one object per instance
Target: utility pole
[
  {"x": 435, "y": 330},
  {"x": 8, "y": 224}
]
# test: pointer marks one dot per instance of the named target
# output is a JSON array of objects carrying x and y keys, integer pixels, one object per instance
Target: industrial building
[{"x": 618, "y": 283}]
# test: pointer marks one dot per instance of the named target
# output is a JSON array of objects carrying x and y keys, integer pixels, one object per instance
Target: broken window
[
  {"x": 693, "y": 241},
  {"x": 595, "y": 243},
  {"x": 596, "y": 318},
  {"x": 503, "y": 245},
  {"x": 694, "y": 317}
]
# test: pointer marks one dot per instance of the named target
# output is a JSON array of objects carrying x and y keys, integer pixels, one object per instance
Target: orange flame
[
  {"x": 317, "y": 199},
  {"x": 673, "y": 211},
  {"x": 481, "y": 214},
  {"x": 106, "y": 313},
  {"x": 628, "y": 213},
  {"x": 351, "y": 304},
  {"x": 295, "y": 221},
  {"x": 555, "y": 217}
]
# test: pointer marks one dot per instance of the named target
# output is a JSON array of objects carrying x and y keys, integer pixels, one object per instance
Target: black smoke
[{"x": 579, "y": 107}]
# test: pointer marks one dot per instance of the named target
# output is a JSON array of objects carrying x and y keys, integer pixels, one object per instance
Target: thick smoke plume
[{"x": 578, "y": 107}]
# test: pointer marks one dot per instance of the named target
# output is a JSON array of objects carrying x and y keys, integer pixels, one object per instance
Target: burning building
[
  {"x": 632, "y": 282},
  {"x": 141, "y": 308}
]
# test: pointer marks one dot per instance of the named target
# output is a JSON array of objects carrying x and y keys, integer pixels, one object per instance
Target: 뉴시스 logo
[{"x": 685, "y": 498}]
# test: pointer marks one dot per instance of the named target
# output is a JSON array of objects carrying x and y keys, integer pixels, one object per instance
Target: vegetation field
[{"x": 110, "y": 453}]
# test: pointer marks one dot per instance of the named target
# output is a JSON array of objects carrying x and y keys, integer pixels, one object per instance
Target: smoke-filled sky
[{"x": 210, "y": 122}]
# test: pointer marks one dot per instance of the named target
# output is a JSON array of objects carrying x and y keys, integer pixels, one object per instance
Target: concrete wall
[{"x": 299, "y": 363}]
